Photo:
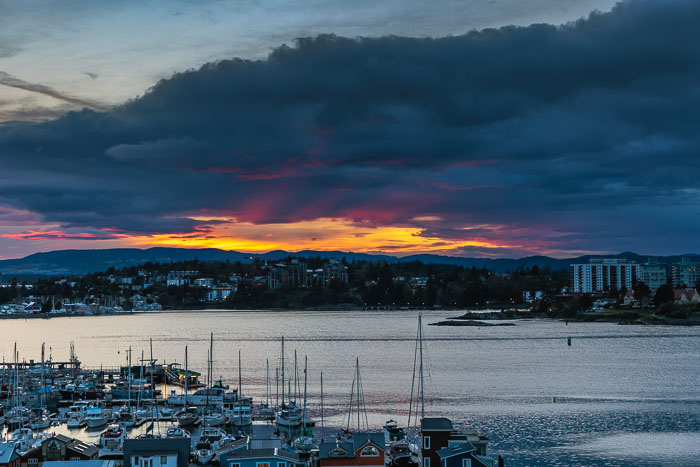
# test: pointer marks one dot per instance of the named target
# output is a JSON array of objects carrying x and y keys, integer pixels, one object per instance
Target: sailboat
[
  {"x": 40, "y": 417},
  {"x": 265, "y": 410},
  {"x": 188, "y": 415},
  {"x": 289, "y": 415},
  {"x": 413, "y": 443},
  {"x": 357, "y": 399},
  {"x": 238, "y": 408},
  {"x": 306, "y": 441},
  {"x": 212, "y": 416}
]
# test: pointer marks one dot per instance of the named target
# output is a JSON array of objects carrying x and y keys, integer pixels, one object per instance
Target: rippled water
[{"x": 625, "y": 394}]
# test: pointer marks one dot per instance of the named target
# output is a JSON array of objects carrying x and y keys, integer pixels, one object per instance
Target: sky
[{"x": 506, "y": 128}]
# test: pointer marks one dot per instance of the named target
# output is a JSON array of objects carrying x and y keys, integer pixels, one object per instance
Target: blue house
[
  {"x": 269, "y": 457},
  {"x": 463, "y": 455}
]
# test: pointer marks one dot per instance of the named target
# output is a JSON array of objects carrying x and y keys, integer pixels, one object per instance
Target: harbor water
[{"x": 625, "y": 395}]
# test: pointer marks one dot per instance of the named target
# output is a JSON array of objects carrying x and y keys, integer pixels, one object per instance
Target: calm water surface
[{"x": 625, "y": 394}]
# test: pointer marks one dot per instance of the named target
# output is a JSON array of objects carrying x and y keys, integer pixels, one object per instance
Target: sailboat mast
[
  {"x": 187, "y": 376},
  {"x": 282, "y": 370},
  {"x": 303, "y": 423},
  {"x": 240, "y": 407},
  {"x": 296, "y": 376},
  {"x": 128, "y": 399},
  {"x": 267, "y": 381},
  {"x": 420, "y": 340},
  {"x": 210, "y": 368},
  {"x": 322, "y": 405},
  {"x": 357, "y": 369},
  {"x": 43, "y": 378}
]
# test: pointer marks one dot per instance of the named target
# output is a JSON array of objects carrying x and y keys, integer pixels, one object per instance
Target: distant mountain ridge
[{"x": 68, "y": 262}]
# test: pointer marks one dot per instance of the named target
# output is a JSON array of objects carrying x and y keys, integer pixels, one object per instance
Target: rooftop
[{"x": 438, "y": 423}]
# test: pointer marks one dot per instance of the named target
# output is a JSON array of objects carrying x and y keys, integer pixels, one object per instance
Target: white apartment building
[{"x": 601, "y": 275}]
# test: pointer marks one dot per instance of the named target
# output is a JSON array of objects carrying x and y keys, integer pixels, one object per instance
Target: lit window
[
  {"x": 369, "y": 451},
  {"x": 466, "y": 463},
  {"x": 32, "y": 461},
  {"x": 263, "y": 464}
]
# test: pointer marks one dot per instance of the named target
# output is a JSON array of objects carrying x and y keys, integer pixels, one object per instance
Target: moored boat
[
  {"x": 112, "y": 441},
  {"x": 96, "y": 415}
]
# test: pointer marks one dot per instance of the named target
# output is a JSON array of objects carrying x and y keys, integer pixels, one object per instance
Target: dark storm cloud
[{"x": 560, "y": 129}]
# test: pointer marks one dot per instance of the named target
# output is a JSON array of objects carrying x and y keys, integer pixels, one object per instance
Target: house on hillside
[{"x": 684, "y": 296}]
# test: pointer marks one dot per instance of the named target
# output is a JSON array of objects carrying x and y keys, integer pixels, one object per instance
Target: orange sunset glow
[{"x": 319, "y": 234}]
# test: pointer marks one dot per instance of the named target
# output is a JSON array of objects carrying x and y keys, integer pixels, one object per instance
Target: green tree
[{"x": 664, "y": 294}]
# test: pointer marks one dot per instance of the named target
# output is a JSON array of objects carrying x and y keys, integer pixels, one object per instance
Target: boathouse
[
  {"x": 269, "y": 457},
  {"x": 8, "y": 455},
  {"x": 435, "y": 435},
  {"x": 365, "y": 449},
  {"x": 156, "y": 452},
  {"x": 462, "y": 455},
  {"x": 59, "y": 448}
]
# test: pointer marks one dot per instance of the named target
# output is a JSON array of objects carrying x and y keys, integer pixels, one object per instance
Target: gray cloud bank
[{"x": 576, "y": 137}]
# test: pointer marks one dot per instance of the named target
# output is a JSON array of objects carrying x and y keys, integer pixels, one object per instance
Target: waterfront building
[
  {"x": 179, "y": 278},
  {"x": 204, "y": 282},
  {"x": 287, "y": 275},
  {"x": 365, "y": 449},
  {"x": 603, "y": 274},
  {"x": 160, "y": 452},
  {"x": 684, "y": 296},
  {"x": 685, "y": 274},
  {"x": 440, "y": 441},
  {"x": 462, "y": 455},
  {"x": 60, "y": 448},
  {"x": 267, "y": 457},
  {"x": 654, "y": 275},
  {"x": 8, "y": 455},
  {"x": 435, "y": 435},
  {"x": 334, "y": 271},
  {"x": 219, "y": 294}
]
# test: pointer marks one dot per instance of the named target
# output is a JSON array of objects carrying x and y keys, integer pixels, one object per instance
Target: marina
[{"x": 386, "y": 383}]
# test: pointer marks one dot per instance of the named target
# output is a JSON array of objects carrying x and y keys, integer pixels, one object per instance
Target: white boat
[
  {"x": 23, "y": 439},
  {"x": 126, "y": 416},
  {"x": 75, "y": 420},
  {"x": 187, "y": 416},
  {"x": 167, "y": 412},
  {"x": 205, "y": 396},
  {"x": 204, "y": 453},
  {"x": 239, "y": 413},
  {"x": 214, "y": 419},
  {"x": 177, "y": 432},
  {"x": 112, "y": 441},
  {"x": 212, "y": 435},
  {"x": 18, "y": 417},
  {"x": 79, "y": 407},
  {"x": 236, "y": 407},
  {"x": 265, "y": 411},
  {"x": 289, "y": 416},
  {"x": 40, "y": 423},
  {"x": 96, "y": 415}
]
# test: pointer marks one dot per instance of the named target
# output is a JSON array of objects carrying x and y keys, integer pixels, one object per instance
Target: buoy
[
  {"x": 554, "y": 399},
  {"x": 569, "y": 341}
]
